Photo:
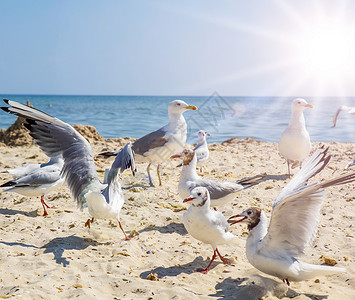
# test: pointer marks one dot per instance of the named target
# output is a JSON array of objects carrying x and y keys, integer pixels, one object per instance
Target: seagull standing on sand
[
  {"x": 350, "y": 110},
  {"x": 38, "y": 182},
  {"x": 159, "y": 145},
  {"x": 201, "y": 149},
  {"x": 206, "y": 225},
  {"x": 58, "y": 138},
  {"x": 274, "y": 249},
  {"x": 295, "y": 143},
  {"x": 220, "y": 192}
]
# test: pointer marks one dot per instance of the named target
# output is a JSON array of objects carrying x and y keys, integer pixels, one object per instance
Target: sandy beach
[{"x": 56, "y": 257}]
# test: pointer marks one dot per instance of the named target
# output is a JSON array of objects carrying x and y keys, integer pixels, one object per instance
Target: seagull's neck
[
  {"x": 176, "y": 120},
  {"x": 201, "y": 140},
  {"x": 188, "y": 172},
  {"x": 257, "y": 233},
  {"x": 297, "y": 120},
  {"x": 204, "y": 208}
]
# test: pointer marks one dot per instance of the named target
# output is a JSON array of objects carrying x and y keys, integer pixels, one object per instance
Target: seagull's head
[
  {"x": 179, "y": 107},
  {"x": 300, "y": 104},
  {"x": 198, "y": 197},
  {"x": 187, "y": 155},
  {"x": 202, "y": 135},
  {"x": 251, "y": 216}
]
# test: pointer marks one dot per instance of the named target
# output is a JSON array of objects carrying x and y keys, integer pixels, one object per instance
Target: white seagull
[
  {"x": 220, "y": 192},
  {"x": 38, "y": 182},
  {"x": 350, "y": 110},
  {"x": 295, "y": 143},
  {"x": 274, "y": 248},
  {"x": 206, "y": 225},
  {"x": 201, "y": 149},
  {"x": 58, "y": 138},
  {"x": 28, "y": 168},
  {"x": 159, "y": 145}
]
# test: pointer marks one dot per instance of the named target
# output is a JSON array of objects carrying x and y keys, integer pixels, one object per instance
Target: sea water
[{"x": 261, "y": 118}]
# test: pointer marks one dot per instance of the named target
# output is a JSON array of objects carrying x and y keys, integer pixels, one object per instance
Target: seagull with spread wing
[
  {"x": 157, "y": 146},
  {"x": 350, "y": 110},
  {"x": 56, "y": 138},
  {"x": 274, "y": 248}
]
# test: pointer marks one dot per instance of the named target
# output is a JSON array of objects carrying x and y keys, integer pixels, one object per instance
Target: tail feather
[
  {"x": 310, "y": 271},
  {"x": 9, "y": 183}
]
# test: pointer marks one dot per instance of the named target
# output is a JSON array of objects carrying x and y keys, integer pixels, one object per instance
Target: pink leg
[
  {"x": 225, "y": 260},
  {"x": 205, "y": 271},
  {"x": 126, "y": 237}
]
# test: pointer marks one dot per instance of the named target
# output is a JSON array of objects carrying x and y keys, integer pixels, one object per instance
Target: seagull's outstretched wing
[
  {"x": 56, "y": 137},
  {"x": 350, "y": 110},
  {"x": 296, "y": 211},
  {"x": 123, "y": 161}
]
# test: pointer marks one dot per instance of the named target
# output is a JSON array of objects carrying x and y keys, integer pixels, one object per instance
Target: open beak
[
  {"x": 231, "y": 222},
  {"x": 188, "y": 199},
  {"x": 309, "y": 105},
  {"x": 192, "y": 107}
]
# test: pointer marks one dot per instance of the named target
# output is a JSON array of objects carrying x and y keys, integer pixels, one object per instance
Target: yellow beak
[
  {"x": 192, "y": 107},
  {"x": 309, "y": 105}
]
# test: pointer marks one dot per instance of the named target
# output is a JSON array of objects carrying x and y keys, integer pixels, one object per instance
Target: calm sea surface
[{"x": 262, "y": 118}]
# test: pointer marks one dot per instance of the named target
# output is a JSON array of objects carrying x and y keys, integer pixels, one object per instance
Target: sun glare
[{"x": 327, "y": 52}]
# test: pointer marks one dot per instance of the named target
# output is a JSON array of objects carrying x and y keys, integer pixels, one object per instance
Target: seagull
[
  {"x": 56, "y": 137},
  {"x": 159, "y": 145},
  {"x": 206, "y": 225},
  {"x": 220, "y": 192},
  {"x": 295, "y": 143},
  {"x": 350, "y": 110},
  {"x": 201, "y": 149},
  {"x": 274, "y": 248},
  {"x": 28, "y": 168},
  {"x": 38, "y": 182}
]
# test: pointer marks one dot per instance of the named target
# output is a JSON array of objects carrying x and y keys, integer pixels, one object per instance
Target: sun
[{"x": 325, "y": 51}]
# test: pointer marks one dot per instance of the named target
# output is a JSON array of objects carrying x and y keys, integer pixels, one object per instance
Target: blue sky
[{"x": 242, "y": 48}]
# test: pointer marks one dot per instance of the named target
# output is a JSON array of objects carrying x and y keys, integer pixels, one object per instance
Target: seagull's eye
[
  {"x": 178, "y": 104},
  {"x": 299, "y": 102},
  {"x": 249, "y": 213},
  {"x": 198, "y": 194}
]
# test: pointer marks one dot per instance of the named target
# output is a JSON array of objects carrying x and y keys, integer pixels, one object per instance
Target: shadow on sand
[
  {"x": 256, "y": 287},
  {"x": 170, "y": 228},
  {"x": 188, "y": 268},
  {"x": 13, "y": 212},
  {"x": 58, "y": 245}
]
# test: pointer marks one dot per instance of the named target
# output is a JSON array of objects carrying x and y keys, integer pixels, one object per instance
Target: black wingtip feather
[{"x": 6, "y": 101}]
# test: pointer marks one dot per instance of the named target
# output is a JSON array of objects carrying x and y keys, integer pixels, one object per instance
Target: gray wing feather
[
  {"x": 216, "y": 189},
  {"x": 150, "y": 141},
  {"x": 56, "y": 137}
]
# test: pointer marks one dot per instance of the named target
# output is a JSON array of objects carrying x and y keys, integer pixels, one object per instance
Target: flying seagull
[
  {"x": 274, "y": 248},
  {"x": 55, "y": 138},
  {"x": 350, "y": 110},
  {"x": 157, "y": 146},
  {"x": 295, "y": 143}
]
